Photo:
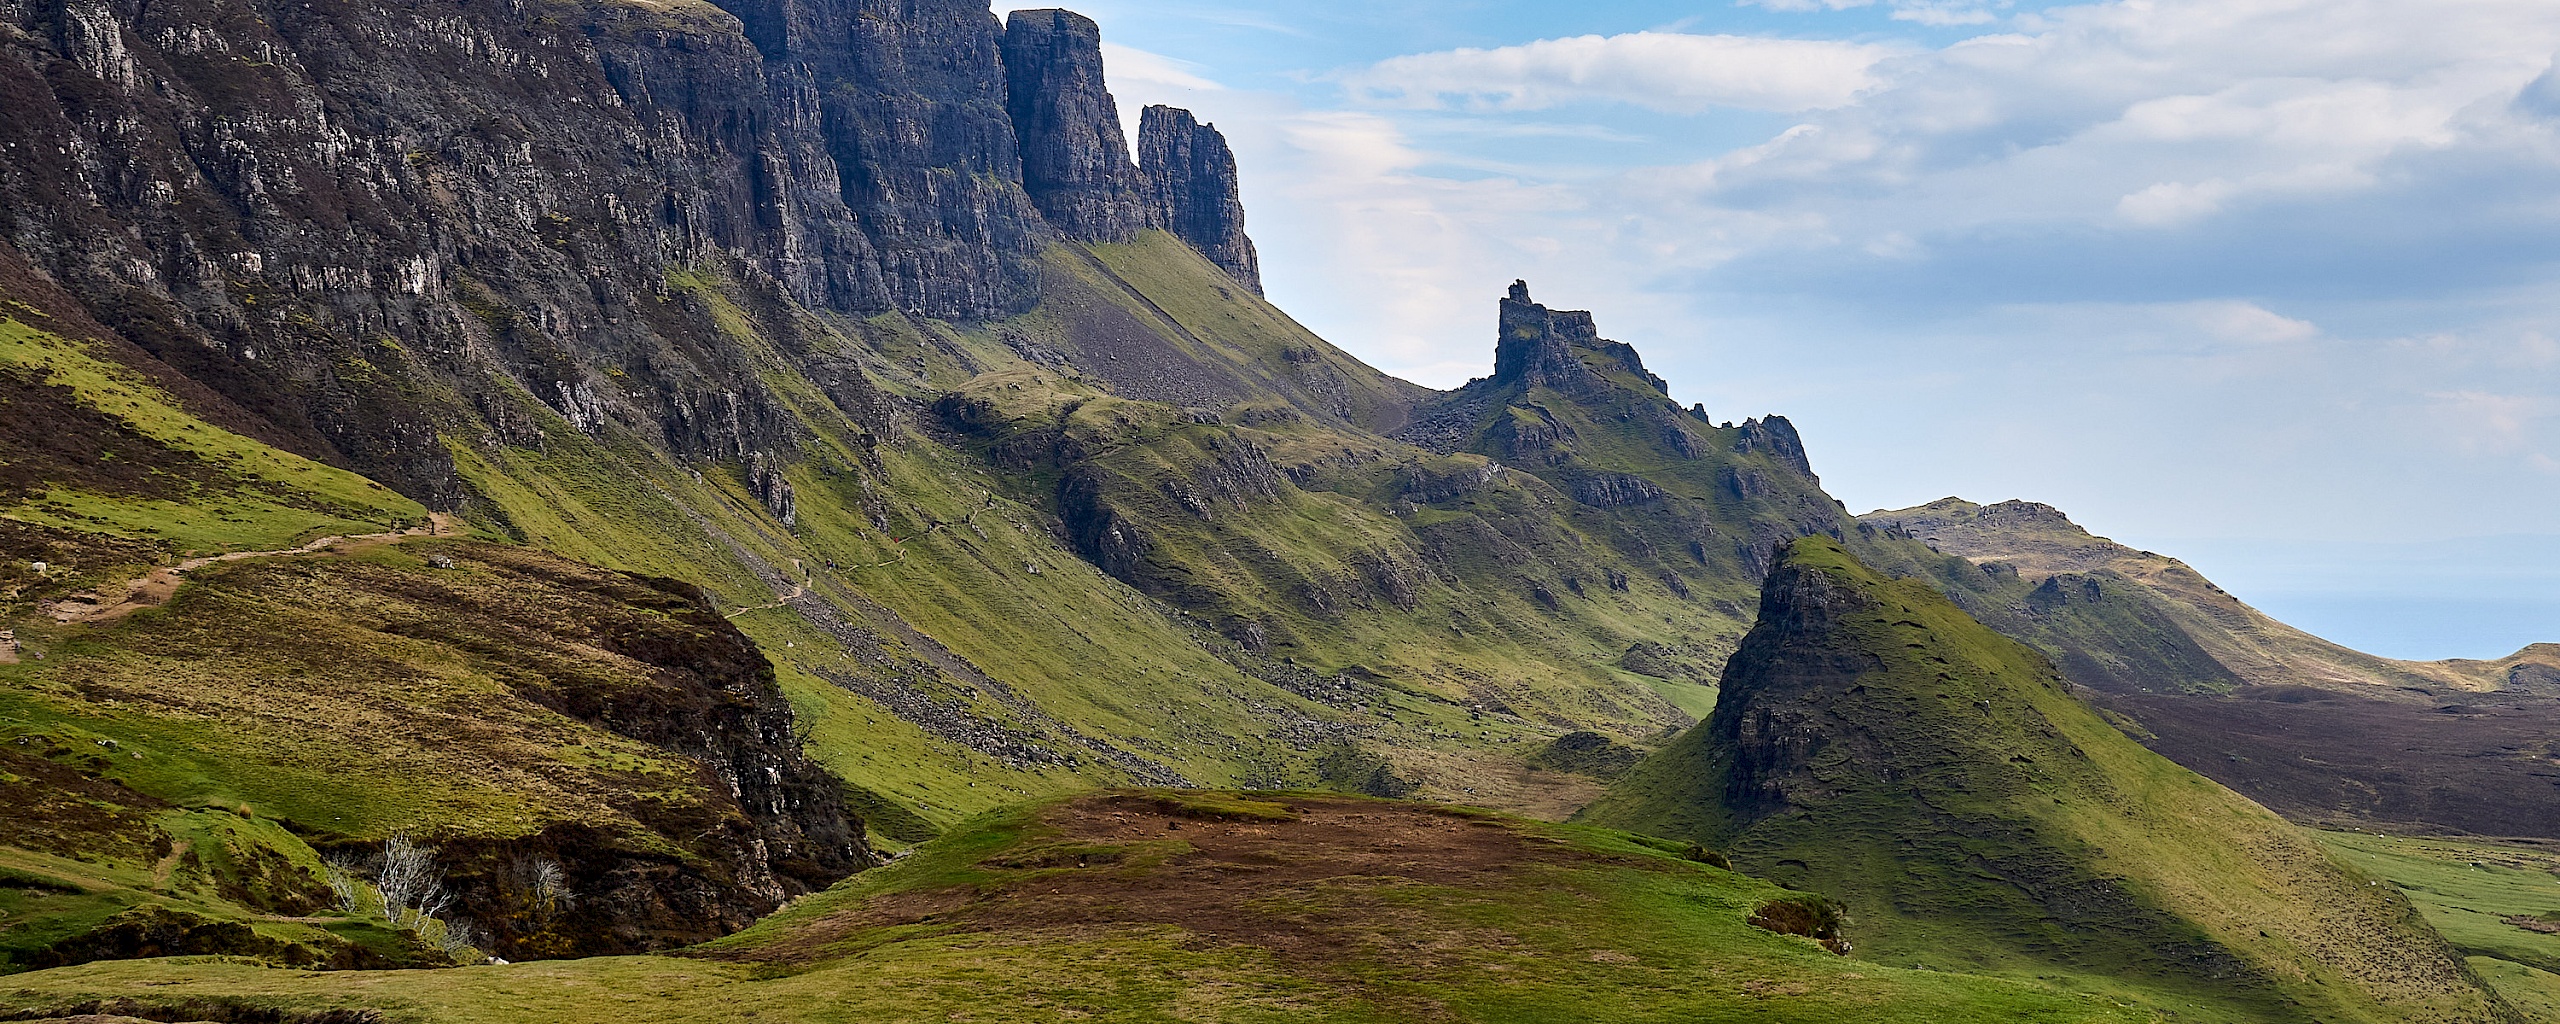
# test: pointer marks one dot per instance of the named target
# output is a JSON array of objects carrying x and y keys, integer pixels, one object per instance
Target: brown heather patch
[{"x": 1338, "y": 882}]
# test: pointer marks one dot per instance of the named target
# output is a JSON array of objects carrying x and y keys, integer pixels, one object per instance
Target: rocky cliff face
[
  {"x": 769, "y": 825},
  {"x": 1075, "y": 161},
  {"x": 1191, "y": 183},
  {"x": 372, "y": 224}
]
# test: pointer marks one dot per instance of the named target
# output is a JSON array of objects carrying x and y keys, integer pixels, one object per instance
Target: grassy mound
[
  {"x": 186, "y": 770},
  {"x": 1125, "y": 907}
]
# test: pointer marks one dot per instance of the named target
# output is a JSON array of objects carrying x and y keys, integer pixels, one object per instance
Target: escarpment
[{"x": 368, "y": 224}]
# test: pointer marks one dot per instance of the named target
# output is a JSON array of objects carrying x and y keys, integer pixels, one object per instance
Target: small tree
[
  {"x": 406, "y": 888},
  {"x": 346, "y": 883},
  {"x": 546, "y": 887},
  {"x": 410, "y": 883}
]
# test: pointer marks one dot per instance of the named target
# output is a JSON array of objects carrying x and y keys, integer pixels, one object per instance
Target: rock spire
[
  {"x": 1075, "y": 159},
  {"x": 1546, "y": 346},
  {"x": 1190, "y": 177}
]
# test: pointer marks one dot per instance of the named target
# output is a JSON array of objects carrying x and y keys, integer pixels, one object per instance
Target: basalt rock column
[
  {"x": 1191, "y": 183},
  {"x": 1075, "y": 160}
]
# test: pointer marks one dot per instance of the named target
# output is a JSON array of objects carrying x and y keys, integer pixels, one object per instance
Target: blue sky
[{"x": 2271, "y": 285}]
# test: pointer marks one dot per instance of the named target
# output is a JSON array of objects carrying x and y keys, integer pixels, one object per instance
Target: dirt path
[
  {"x": 160, "y": 871},
  {"x": 158, "y": 585},
  {"x": 797, "y": 591}
]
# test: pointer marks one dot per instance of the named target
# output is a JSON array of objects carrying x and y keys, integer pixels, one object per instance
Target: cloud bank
[{"x": 1664, "y": 71}]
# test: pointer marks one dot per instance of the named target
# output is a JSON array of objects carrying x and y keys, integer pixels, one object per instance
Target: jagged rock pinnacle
[
  {"x": 1545, "y": 346},
  {"x": 1190, "y": 177}
]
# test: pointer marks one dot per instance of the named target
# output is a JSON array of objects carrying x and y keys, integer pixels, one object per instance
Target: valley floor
[{"x": 1176, "y": 906}]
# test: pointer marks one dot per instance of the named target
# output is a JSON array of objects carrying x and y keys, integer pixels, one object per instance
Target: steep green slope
[
  {"x": 110, "y": 461},
  {"x": 2312, "y": 730},
  {"x": 1150, "y": 906},
  {"x": 1874, "y": 743}
]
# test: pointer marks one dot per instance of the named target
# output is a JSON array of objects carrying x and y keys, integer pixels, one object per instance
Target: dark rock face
[
  {"x": 339, "y": 216},
  {"x": 1544, "y": 346},
  {"x": 1778, "y": 439},
  {"x": 1191, "y": 182},
  {"x": 1616, "y": 490},
  {"x": 1075, "y": 160},
  {"x": 896, "y": 110},
  {"x": 775, "y": 825},
  {"x": 1774, "y": 743}
]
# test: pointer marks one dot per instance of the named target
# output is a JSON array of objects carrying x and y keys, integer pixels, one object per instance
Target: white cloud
[
  {"x": 1131, "y": 68},
  {"x": 1943, "y": 15},
  {"x": 1936, "y": 13},
  {"x": 1665, "y": 71},
  {"x": 2181, "y": 264},
  {"x": 2486, "y": 421},
  {"x": 2233, "y": 320},
  {"x": 2174, "y": 202}
]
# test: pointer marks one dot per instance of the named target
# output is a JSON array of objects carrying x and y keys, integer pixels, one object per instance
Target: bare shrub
[
  {"x": 546, "y": 886},
  {"x": 410, "y": 883},
  {"x": 461, "y": 939},
  {"x": 347, "y": 886}
]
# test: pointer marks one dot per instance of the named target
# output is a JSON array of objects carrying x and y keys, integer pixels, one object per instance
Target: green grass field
[
  {"x": 2468, "y": 891},
  {"x": 1148, "y": 906}
]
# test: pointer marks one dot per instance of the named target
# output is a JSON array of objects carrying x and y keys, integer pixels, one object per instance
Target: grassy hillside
[
  {"x": 1874, "y": 743},
  {"x": 1147, "y": 533},
  {"x": 197, "y": 761},
  {"x": 1193, "y": 906},
  {"x": 111, "y": 462},
  {"x": 2282, "y": 716},
  {"x": 2040, "y": 544},
  {"x": 2498, "y": 904}
]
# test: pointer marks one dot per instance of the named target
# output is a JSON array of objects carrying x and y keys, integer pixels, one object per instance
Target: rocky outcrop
[
  {"x": 1777, "y": 438},
  {"x": 1191, "y": 184},
  {"x": 1616, "y": 490},
  {"x": 1075, "y": 161},
  {"x": 1543, "y": 346},
  {"x": 774, "y": 827}
]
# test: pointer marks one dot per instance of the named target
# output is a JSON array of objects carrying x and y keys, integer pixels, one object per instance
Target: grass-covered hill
[
  {"x": 1874, "y": 743},
  {"x": 112, "y": 462},
  {"x": 2314, "y": 730},
  {"x": 209, "y": 775},
  {"x": 796, "y": 488},
  {"x": 1190, "y": 906}
]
